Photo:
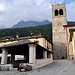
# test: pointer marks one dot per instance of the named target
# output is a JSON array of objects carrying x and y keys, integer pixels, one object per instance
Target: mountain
[
  {"x": 2, "y": 27},
  {"x": 22, "y": 24}
]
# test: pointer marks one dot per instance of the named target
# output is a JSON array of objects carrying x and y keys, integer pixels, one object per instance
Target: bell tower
[{"x": 59, "y": 34}]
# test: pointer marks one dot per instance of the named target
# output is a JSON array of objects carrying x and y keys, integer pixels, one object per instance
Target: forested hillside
[{"x": 46, "y": 31}]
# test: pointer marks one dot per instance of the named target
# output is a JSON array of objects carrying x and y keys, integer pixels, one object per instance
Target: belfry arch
[
  {"x": 56, "y": 12},
  {"x": 61, "y": 11}
]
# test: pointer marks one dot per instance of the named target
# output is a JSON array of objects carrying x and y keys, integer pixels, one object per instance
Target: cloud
[
  {"x": 26, "y": 10},
  {"x": 71, "y": 11},
  {"x": 14, "y": 11}
]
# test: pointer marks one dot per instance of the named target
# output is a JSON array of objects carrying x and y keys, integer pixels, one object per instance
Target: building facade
[
  {"x": 70, "y": 33},
  {"x": 59, "y": 34}
]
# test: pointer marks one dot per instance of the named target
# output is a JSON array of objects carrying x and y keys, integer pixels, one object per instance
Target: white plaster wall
[
  {"x": 43, "y": 42},
  {"x": 70, "y": 47},
  {"x": 40, "y": 40}
]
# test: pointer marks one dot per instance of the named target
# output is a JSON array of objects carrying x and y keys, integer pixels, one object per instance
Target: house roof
[
  {"x": 73, "y": 25},
  {"x": 26, "y": 37},
  {"x": 26, "y": 41}
]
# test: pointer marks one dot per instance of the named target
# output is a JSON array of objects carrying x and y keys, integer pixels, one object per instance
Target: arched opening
[
  {"x": 61, "y": 12},
  {"x": 56, "y": 12}
]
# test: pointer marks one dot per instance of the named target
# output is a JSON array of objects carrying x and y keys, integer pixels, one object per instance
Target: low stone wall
[
  {"x": 41, "y": 62},
  {"x": 6, "y": 66}
]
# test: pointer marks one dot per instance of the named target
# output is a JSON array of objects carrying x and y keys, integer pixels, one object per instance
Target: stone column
[
  {"x": 51, "y": 58},
  {"x": 45, "y": 54},
  {"x": 70, "y": 51},
  {"x": 73, "y": 44},
  {"x": 12, "y": 57},
  {"x": 4, "y": 56},
  {"x": 32, "y": 53}
]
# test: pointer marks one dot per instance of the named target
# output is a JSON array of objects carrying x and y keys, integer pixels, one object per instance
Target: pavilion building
[{"x": 30, "y": 50}]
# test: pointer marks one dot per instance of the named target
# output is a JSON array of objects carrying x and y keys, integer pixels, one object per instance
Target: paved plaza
[{"x": 59, "y": 67}]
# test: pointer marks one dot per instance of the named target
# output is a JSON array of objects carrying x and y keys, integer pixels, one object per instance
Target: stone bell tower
[{"x": 59, "y": 34}]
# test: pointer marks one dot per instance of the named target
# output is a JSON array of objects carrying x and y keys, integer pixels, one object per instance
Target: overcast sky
[{"x": 13, "y": 11}]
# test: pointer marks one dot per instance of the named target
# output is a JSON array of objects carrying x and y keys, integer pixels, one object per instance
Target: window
[
  {"x": 61, "y": 12},
  {"x": 48, "y": 54},
  {"x": 19, "y": 57},
  {"x": 56, "y": 12}
]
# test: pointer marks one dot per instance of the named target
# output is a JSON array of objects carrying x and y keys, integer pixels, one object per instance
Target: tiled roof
[{"x": 21, "y": 42}]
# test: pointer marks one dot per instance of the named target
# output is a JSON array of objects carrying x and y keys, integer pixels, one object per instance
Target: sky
[{"x": 13, "y": 11}]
